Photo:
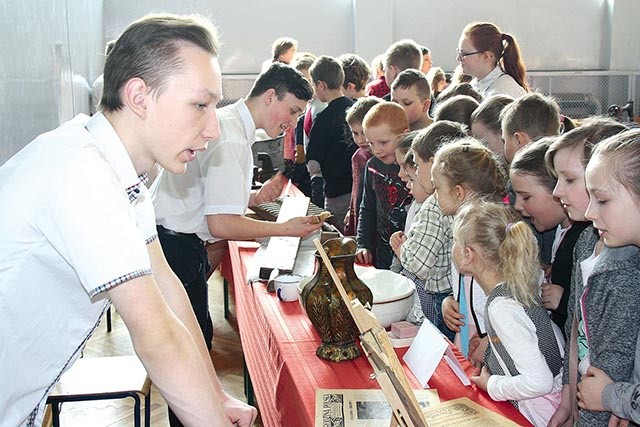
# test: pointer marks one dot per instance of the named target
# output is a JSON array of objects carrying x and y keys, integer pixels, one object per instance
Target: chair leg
[
  {"x": 147, "y": 410},
  {"x": 55, "y": 414},
  {"x": 225, "y": 292},
  {"x": 136, "y": 409},
  {"x": 109, "y": 319}
]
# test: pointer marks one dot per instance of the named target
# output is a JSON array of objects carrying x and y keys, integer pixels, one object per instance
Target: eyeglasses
[{"x": 460, "y": 55}]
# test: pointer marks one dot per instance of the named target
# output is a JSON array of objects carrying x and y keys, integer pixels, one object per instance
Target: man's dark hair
[{"x": 283, "y": 79}]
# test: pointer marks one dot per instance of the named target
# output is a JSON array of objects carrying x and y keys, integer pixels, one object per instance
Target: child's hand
[
  {"x": 396, "y": 240},
  {"x": 563, "y": 412},
  {"x": 617, "y": 422},
  {"x": 451, "y": 314},
  {"x": 482, "y": 379},
  {"x": 363, "y": 256},
  {"x": 477, "y": 347},
  {"x": 551, "y": 296},
  {"x": 590, "y": 389}
]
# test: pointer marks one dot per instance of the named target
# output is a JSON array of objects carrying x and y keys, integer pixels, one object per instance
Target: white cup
[{"x": 287, "y": 287}]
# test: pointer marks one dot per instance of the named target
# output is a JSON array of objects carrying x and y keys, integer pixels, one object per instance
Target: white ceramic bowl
[{"x": 392, "y": 293}]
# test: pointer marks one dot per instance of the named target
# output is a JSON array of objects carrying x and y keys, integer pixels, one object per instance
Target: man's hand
[
  {"x": 396, "y": 240},
  {"x": 270, "y": 190},
  {"x": 239, "y": 413},
  {"x": 482, "y": 379},
  {"x": 302, "y": 226},
  {"x": 551, "y": 295},
  {"x": 363, "y": 256},
  {"x": 451, "y": 314},
  {"x": 590, "y": 389}
]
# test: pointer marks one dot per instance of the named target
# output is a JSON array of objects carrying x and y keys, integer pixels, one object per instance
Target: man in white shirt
[
  {"x": 208, "y": 202},
  {"x": 78, "y": 229}
]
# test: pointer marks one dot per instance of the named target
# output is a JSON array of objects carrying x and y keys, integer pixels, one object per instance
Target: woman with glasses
[{"x": 493, "y": 59}]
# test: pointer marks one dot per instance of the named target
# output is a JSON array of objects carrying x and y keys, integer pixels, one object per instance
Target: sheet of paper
[
  {"x": 455, "y": 366},
  {"x": 464, "y": 413},
  {"x": 361, "y": 408},
  {"x": 425, "y": 352},
  {"x": 282, "y": 250}
]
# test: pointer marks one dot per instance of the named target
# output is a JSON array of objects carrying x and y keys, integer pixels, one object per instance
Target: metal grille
[
  {"x": 236, "y": 86},
  {"x": 583, "y": 94}
]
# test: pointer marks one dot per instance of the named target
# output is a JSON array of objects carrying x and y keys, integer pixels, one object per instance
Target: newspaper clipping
[{"x": 360, "y": 408}]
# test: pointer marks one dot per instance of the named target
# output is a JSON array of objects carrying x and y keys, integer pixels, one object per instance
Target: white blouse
[{"x": 498, "y": 82}]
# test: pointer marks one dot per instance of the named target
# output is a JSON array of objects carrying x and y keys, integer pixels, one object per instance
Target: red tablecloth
[{"x": 279, "y": 345}]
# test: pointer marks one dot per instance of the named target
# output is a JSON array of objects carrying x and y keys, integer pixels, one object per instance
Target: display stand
[{"x": 388, "y": 370}]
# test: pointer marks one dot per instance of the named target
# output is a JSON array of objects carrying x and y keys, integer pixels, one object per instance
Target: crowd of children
[{"x": 532, "y": 274}]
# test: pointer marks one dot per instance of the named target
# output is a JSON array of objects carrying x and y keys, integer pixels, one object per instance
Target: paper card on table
[
  {"x": 425, "y": 352},
  {"x": 453, "y": 363},
  {"x": 463, "y": 412}
]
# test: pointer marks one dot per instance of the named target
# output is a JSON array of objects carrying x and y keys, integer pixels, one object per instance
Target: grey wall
[{"x": 50, "y": 51}]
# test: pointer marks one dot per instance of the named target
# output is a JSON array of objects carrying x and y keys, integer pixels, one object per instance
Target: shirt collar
[
  {"x": 484, "y": 83},
  {"x": 247, "y": 120},
  {"x": 107, "y": 139}
]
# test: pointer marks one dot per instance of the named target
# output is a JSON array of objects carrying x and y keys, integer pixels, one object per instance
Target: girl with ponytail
[
  {"x": 493, "y": 58},
  {"x": 523, "y": 363}
]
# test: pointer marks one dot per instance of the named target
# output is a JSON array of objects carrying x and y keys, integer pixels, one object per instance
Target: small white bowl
[{"x": 392, "y": 293}]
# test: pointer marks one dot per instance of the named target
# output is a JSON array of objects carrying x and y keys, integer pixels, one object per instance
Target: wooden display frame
[{"x": 377, "y": 346}]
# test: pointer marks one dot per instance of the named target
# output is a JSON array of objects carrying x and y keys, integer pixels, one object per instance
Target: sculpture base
[{"x": 338, "y": 352}]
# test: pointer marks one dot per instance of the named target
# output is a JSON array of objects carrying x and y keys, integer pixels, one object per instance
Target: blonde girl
[
  {"x": 462, "y": 172},
  {"x": 567, "y": 158},
  {"x": 607, "y": 299},
  {"x": 524, "y": 361},
  {"x": 613, "y": 181}
]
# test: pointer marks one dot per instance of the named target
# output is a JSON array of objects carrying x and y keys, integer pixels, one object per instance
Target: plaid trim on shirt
[
  {"x": 134, "y": 191},
  {"x": 119, "y": 280},
  {"x": 427, "y": 251}
]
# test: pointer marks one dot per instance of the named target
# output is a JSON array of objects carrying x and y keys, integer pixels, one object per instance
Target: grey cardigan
[
  {"x": 612, "y": 314},
  {"x": 622, "y": 398}
]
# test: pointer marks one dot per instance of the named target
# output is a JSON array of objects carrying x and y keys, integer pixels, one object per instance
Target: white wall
[
  {"x": 625, "y": 38},
  {"x": 554, "y": 34},
  {"x": 249, "y": 27}
]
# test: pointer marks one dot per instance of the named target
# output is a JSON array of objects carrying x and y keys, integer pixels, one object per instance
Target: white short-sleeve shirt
[
  {"x": 218, "y": 181},
  {"x": 74, "y": 222},
  {"x": 498, "y": 82}
]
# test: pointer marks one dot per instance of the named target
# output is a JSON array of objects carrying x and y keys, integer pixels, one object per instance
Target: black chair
[{"x": 103, "y": 378}]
